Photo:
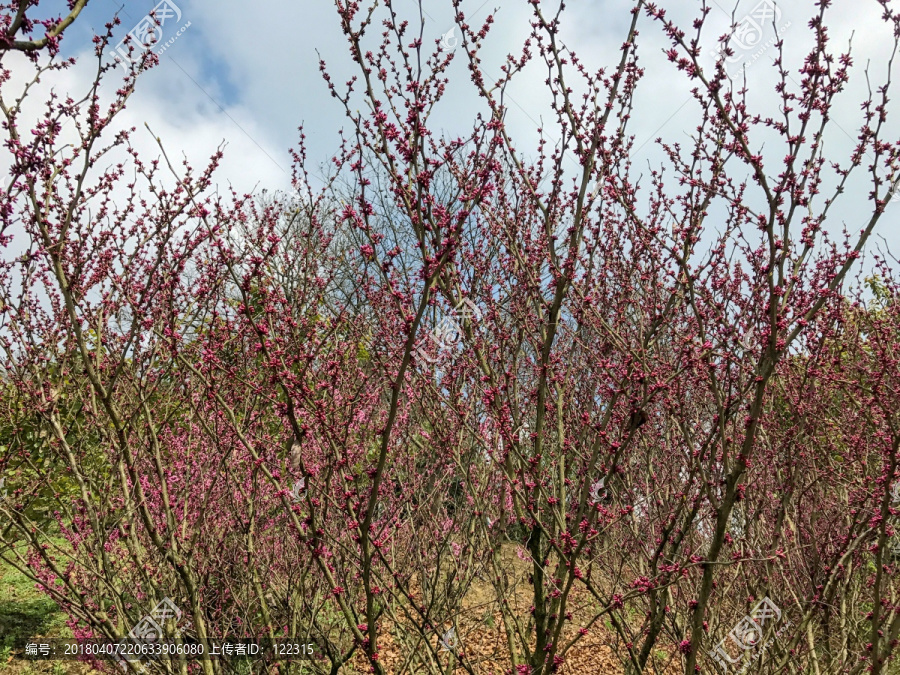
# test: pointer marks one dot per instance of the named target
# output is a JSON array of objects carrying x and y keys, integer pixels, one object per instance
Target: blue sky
[{"x": 246, "y": 74}]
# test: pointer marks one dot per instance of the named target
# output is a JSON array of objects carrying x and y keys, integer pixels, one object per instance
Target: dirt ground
[
  {"x": 24, "y": 613},
  {"x": 483, "y": 638}
]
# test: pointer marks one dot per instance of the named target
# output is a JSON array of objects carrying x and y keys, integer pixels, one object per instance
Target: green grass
[{"x": 27, "y": 614}]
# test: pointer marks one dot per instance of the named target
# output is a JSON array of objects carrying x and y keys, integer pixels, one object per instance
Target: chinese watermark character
[
  {"x": 449, "y": 641},
  {"x": 747, "y": 39},
  {"x": 148, "y": 33},
  {"x": 448, "y": 333},
  {"x": 150, "y": 629},
  {"x": 298, "y": 491},
  {"x": 746, "y": 636},
  {"x": 449, "y": 41},
  {"x": 598, "y": 490}
]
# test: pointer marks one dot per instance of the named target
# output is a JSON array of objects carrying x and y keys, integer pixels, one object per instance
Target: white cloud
[{"x": 261, "y": 66}]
